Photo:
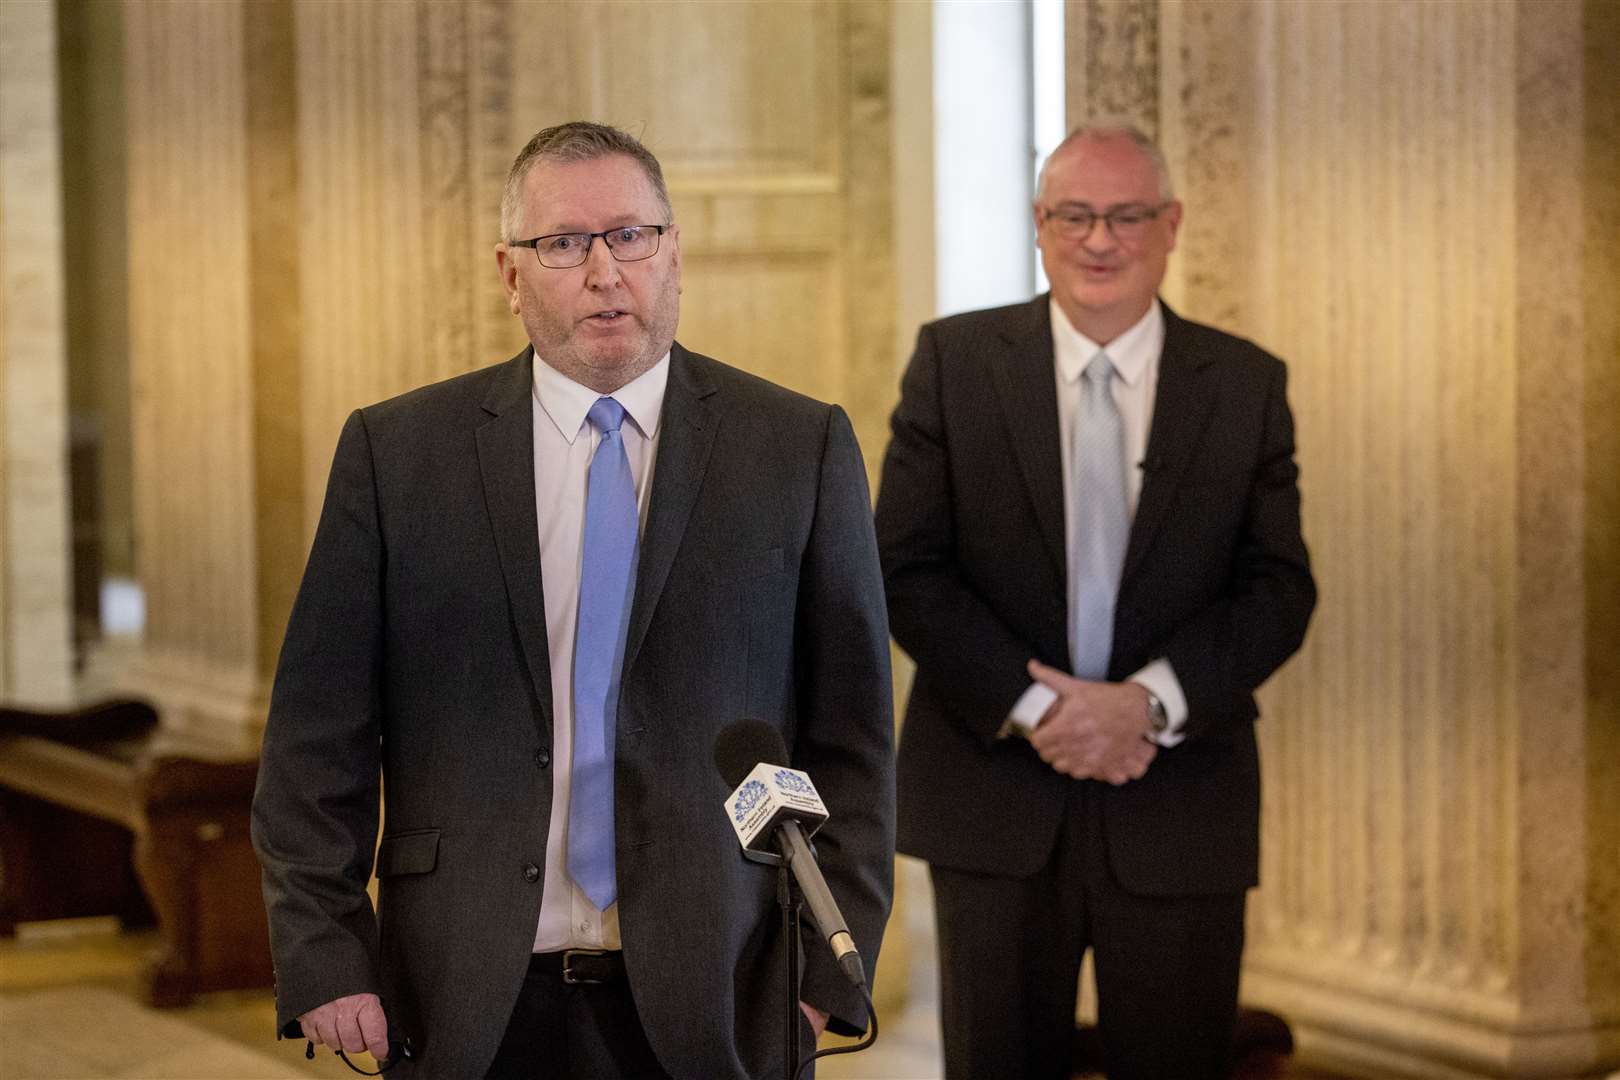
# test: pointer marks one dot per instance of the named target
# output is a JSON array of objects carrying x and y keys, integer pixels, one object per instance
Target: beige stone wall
[
  {"x": 314, "y": 190},
  {"x": 1408, "y": 201},
  {"x": 191, "y": 347},
  {"x": 36, "y": 662}
]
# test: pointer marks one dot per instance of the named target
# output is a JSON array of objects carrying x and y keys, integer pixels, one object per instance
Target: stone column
[
  {"x": 313, "y": 191},
  {"x": 1411, "y": 203},
  {"x": 1111, "y": 61},
  {"x": 36, "y": 654},
  {"x": 405, "y": 142},
  {"x": 213, "y": 355}
]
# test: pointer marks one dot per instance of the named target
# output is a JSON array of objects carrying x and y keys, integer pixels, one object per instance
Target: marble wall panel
[
  {"x": 766, "y": 109},
  {"x": 778, "y": 313},
  {"x": 776, "y": 149}
]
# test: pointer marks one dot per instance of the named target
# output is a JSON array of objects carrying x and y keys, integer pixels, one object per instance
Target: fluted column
[
  {"x": 405, "y": 138},
  {"x": 313, "y": 191},
  {"x": 209, "y": 306},
  {"x": 36, "y": 658},
  {"x": 1411, "y": 203}
]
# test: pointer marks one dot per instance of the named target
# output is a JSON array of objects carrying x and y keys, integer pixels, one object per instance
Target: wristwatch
[{"x": 1158, "y": 718}]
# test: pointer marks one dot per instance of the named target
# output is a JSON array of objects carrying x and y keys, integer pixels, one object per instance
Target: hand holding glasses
[{"x": 396, "y": 1051}]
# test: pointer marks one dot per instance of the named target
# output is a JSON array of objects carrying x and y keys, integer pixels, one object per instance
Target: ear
[
  {"x": 1035, "y": 216},
  {"x": 1172, "y": 218},
  {"x": 506, "y": 263},
  {"x": 672, "y": 237}
]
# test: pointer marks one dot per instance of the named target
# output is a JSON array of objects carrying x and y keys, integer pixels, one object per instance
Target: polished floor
[{"x": 70, "y": 1009}]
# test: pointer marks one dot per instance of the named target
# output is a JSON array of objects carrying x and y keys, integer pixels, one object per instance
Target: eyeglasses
[
  {"x": 396, "y": 1052},
  {"x": 1126, "y": 224},
  {"x": 627, "y": 243}
]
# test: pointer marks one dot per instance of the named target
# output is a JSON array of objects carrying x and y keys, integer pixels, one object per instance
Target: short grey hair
[
  {"x": 1112, "y": 129},
  {"x": 578, "y": 140}
]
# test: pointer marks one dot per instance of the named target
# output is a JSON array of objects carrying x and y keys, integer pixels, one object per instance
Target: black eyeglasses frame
[{"x": 590, "y": 239}]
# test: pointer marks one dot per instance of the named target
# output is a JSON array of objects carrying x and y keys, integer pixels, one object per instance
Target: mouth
[{"x": 607, "y": 317}]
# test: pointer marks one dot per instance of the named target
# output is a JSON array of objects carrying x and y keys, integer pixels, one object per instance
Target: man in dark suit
[
  {"x": 1089, "y": 526},
  {"x": 537, "y": 593}
]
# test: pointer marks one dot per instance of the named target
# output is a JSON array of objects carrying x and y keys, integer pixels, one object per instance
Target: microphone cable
[{"x": 866, "y": 1041}]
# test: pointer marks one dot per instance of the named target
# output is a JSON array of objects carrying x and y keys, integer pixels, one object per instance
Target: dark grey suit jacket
[
  {"x": 1216, "y": 579},
  {"x": 416, "y": 655}
]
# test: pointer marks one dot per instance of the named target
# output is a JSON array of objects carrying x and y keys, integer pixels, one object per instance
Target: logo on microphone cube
[
  {"x": 797, "y": 783},
  {"x": 768, "y": 795},
  {"x": 748, "y": 797}
]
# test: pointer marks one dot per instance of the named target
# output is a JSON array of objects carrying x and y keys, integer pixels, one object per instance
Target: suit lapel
[
  {"x": 506, "y": 461},
  {"x": 1025, "y": 385},
  {"x": 687, "y": 430},
  {"x": 1181, "y": 409}
]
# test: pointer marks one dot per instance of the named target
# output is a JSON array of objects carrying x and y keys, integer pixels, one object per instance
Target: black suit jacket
[
  {"x": 416, "y": 653},
  {"x": 1216, "y": 579}
]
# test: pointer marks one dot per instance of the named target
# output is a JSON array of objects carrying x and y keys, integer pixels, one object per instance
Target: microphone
[{"x": 770, "y": 801}]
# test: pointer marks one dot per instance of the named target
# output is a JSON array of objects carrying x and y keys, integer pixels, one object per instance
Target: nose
[
  {"x": 1099, "y": 237},
  {"x": 601, "y": 268}
]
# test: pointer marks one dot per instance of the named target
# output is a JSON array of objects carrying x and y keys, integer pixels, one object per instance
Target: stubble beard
[{"x": 612, "y": 364}]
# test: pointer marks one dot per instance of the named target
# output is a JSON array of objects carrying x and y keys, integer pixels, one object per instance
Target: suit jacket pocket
[{"x": 415, "y": 852}]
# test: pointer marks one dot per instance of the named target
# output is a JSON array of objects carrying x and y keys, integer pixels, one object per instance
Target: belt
[{"x": 579, "y": 966}]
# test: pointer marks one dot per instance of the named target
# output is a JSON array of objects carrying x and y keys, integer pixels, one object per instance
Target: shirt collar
[
  {"x": 1131, "y": 352},
  {"x": 566, "y": 402}
]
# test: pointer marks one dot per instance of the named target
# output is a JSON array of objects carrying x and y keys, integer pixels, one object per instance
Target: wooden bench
[{"x": 101, "y": 814}]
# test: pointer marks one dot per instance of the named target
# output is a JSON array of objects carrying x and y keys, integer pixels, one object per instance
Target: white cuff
[
  {"x": 1027, "y": 711},
  {"x": 1160, "y": 678}
]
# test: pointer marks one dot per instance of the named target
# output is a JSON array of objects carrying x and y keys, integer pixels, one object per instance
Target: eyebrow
[
  {"x": 619, "y": 221},
  {"x": 1072, "y": 205}
]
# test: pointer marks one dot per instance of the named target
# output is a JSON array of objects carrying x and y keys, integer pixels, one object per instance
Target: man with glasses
[
  {"x": 1089, "y": 526},
  {"x": 537, "y": 594}
]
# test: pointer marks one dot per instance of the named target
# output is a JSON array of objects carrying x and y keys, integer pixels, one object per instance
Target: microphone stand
[{"x": 791, "y": 933}]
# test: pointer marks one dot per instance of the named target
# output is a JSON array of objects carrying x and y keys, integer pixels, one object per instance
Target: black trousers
[
  {"x": 1010, "y": 951},
  {"x": 563, "y": 1031}
]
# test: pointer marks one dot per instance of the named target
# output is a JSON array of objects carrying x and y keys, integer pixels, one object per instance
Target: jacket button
[
  {"x": 531, "y": 873},
  {"x": 542, "y": 758}
]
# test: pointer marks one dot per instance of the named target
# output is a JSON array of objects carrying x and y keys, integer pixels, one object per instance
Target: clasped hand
[{"x": 1094, "y": 730}]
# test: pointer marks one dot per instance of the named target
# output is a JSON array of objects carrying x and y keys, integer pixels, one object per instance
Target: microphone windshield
[{"x": 742, "y": 745}]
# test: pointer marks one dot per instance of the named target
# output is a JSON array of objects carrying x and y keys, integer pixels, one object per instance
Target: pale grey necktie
[{"x": 1100, "y": 519}]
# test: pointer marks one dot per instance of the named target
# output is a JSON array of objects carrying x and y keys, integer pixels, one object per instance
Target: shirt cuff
[
  {"x": 1027, "y": 711},
  {"x": 1160, "y": 678}
]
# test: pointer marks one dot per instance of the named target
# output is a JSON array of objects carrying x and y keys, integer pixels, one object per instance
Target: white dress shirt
[
  {"x": 564, "y": 442},
  {"x": 1135, "y": 354}
]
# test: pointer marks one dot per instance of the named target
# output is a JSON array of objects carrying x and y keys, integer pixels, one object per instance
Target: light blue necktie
[
  {"x": 607, "y": 579},
  {"x": 1101, "y": 520}
]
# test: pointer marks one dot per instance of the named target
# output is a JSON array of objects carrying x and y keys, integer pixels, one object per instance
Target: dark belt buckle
[{"x": 569, "y": 956}]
